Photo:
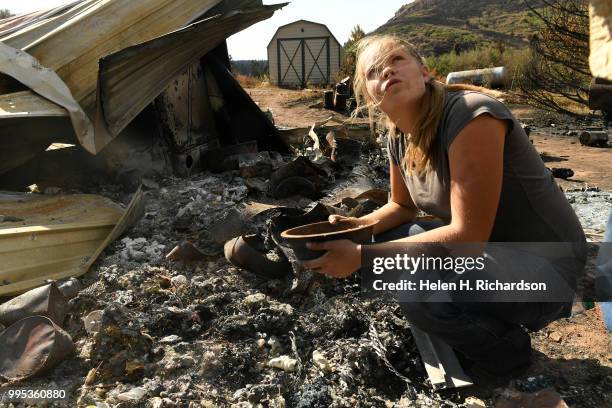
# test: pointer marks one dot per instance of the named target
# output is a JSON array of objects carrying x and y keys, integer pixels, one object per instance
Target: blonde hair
[{"x": 418, "y": 153}]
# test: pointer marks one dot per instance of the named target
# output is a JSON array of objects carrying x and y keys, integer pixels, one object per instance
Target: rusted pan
[
  {"x": 44, "y": 301},
  {"x": 356, "y": 230},
  {"x": 56, "y": 237},
  {"x": 32, "y": 347}
]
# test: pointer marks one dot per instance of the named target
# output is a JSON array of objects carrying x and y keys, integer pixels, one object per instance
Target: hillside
[{"x": 440, "y": 26}]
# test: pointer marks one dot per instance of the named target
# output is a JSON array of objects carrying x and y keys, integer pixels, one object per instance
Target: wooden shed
[{"x": 303, "y": 52}]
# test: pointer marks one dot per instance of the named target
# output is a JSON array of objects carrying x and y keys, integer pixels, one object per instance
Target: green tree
[
  {"x": 5, "y": 13},
  {"x": 350, "y": 51}
]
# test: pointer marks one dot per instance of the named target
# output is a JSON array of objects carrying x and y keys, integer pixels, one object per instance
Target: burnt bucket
[
  {"x": 44, "y": 301},
  {"x": 32, "y": 347}
]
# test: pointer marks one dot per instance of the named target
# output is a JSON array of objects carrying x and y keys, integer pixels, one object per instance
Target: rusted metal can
[
  {"x": 32, "y": 347},
  {"x": 44, "y": 301}
]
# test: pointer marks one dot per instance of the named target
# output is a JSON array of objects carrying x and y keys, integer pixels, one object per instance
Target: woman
[{"x": 460, "y": 155}]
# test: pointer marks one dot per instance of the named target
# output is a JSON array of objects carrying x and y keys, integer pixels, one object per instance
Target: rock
[
  {"x": 555, "y": 336},
  {"x": 242, "y": 404},
  {"x": 235, "y": 194},
  {"x": 139, "y": 249},
  {"x": 562, "y": 172},
  {"x": 285, "y": 363},
  {"x": 174, "y": 360},
  {"x": 10, "y": 218},
  {"x": 257, "y": 184},
  {"x": 133, "y": 395}
]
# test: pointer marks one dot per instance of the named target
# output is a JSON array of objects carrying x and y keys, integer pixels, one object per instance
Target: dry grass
[{"x": 252, "y": 82}]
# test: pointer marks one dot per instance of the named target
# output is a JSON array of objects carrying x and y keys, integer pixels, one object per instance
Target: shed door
[{"x": 303, "y": 60}]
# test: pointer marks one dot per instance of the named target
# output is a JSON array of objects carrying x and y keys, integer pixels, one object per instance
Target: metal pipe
[{"x": 492, "y": 77}]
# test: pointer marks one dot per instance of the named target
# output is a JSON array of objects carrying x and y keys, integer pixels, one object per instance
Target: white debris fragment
[
  {"x": 237, "y": 193},
  {"x": 140, "y": 249},
  {"x": 284, "y": 363},
  {"x": 179, "y": 280},
  {"x": 278, "y": 402},
  {"x": 189, "y": 207},
  {"x": 133, "y": 395},
  {"x": 256, "y": 299},
  {"x": 275, "y": 345},
  {"x": 174, "y": 360},
  {"x": 473, "y": 402},
  {"x": 93, "y": 321},
  {"x": 320, "y": 361},
  {"x": 70, "y": 288}
]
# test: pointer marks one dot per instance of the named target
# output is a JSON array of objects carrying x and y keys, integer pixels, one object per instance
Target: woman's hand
[
  {"x": 342, "y": 259},
  {"x": 339, "y": 219}
]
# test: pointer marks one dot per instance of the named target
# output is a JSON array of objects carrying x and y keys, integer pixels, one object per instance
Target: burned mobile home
[{"x": 112, "y": 90}]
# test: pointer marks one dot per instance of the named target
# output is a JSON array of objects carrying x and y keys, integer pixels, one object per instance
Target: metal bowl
[{"x": 356, "y": 230}]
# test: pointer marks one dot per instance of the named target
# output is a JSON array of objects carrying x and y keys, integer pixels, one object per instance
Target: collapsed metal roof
[{"x": 103, "y": 62}]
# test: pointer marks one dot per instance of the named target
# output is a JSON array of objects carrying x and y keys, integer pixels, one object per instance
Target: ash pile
[{"x": 191, "y": 329}]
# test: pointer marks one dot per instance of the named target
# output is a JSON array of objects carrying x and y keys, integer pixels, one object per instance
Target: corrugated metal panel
[
  {"x": 98, "y": 29},
  {"x": 57, "y": 237},
  {"x": 28, "y": 104},
  {"x": 132, "y": 78}
]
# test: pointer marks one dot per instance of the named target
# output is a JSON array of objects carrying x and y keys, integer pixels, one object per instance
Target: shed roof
[{"x": 303, "y": 21}]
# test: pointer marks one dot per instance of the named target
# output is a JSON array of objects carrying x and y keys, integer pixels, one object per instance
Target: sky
[{"x": 340, "y": 16}]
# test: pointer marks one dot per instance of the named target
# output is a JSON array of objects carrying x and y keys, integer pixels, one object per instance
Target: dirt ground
[{"x": 592, "y": 166}]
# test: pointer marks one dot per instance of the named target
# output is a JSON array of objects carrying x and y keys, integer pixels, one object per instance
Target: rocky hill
[{"x": 441, "y": 26}]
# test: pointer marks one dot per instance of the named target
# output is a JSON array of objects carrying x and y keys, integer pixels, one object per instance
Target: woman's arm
[
  {"x": 476, "y": 161},
  {"x": 399, "y": 210}
]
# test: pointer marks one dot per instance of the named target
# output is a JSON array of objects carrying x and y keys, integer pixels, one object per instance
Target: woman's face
[{"x": 399, "y": 81}]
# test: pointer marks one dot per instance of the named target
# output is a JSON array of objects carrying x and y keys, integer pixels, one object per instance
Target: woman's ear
[{"x": 426, "y": 73}]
